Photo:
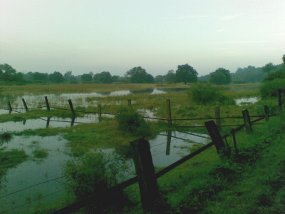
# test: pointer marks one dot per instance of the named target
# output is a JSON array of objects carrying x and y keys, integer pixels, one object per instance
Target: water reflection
[{"x": 246, "y": 100}]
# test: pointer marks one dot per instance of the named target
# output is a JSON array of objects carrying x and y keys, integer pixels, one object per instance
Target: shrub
[
  {"x": 131, "y": 121},
  {"x": 269, "y": 88},
  {"x": 208, "y": 94}
]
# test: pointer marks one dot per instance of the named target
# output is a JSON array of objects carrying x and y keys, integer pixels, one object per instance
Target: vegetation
[
  {"x": 131, "y": 121},
  {"x": 221, "y": 76},
  {"x": 186, "y": 73}
]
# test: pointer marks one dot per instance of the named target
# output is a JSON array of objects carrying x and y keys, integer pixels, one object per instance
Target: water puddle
[
  {"x": 246, "y": 101},
  {"x": 46, "y": 122},
  {"x": 169, "y": 147},
  {"x": 26, "y": 186}
]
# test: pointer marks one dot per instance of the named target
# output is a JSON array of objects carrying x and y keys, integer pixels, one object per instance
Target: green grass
[
  {"x": 40, "y": 153},
  {"x": 252, "y": 182}
]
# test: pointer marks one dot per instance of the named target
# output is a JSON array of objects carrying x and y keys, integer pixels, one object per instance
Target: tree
[
  {"x": 220, "y": 76},
  {"x": 283, "y": 59},
  {"x": 9, "y": 74},
  {"x": 170, "y": 77},
  {"x": 56, "y": 77},
  {"x": 103, "y": 77},
  {"x": 186, "y": 73},
  {"x": 268, "y": 67},
  {"x": 139, "y": 75},
  {"x": 86, "y": 77}
]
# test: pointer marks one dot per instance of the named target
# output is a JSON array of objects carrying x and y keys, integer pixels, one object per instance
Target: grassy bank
[{"x": 250, "y": 182}]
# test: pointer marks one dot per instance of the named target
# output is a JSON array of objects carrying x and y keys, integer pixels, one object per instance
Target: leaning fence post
[
  {"x": 169, "y": 117},
  {"x": 48, "y": 120},
  {"x": 218, "y": 116},
  {"x": 25, "y": 104},
  {"x": 10, "y": 107},
  {"x": 129, "y": 102},
  {"x": 266, "y": 112},
  {"x": 216, "y": 137},
  {"x": 149, "y": 192},
  {"x": 246, "y": 119},
  {"x": 168, "y": 143},
  {"x": 71, "y": 107},
  {"x": 280, "y": 99},
  {"x": 100, "y": 112},
  {"x": 47, "y": 103}
]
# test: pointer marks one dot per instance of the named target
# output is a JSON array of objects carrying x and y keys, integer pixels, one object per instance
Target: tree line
[{"x": 184, "y": 73}]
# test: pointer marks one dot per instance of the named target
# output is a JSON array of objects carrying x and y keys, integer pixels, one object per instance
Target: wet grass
[
  {"x": 40, "y": 153},
  {"x": 250, "y": 182}
]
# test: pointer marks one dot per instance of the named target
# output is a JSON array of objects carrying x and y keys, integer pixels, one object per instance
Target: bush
[
  {"x": 208, "y": 94},
  {"x": 132, "y": 122},
  {"x": 269, "y": 88}
]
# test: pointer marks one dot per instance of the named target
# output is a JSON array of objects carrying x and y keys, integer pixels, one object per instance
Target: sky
[{"x": 116, "y": 35}]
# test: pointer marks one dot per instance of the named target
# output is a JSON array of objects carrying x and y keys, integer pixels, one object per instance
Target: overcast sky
[{"x": 116, "y": 35}]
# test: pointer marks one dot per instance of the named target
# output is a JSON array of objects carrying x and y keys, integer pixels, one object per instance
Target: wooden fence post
[
  {"x": 280, "y": 100},
  {"x": 169, "y": 117},
  {"x": 129, "y": 102},
  {"x": 47, "y": 103},
  {"x": 10, "y": 107},
  {"x": 234, "y": 140},
  {"x": 246, "y": 119},
  {"x": 216, "y": 137},
  {"x": 25, "y": 104},
  {"x": 71, "y": 107},
  {"x": 48, "y": 120},
  {"x": 72, "y": 121},
  {"x": 218, "y": 116},
  {"x": 100, "y": 112},
  {"x": 149, "y": 192},
  {"x": 266, "y": 112},
  {"x": 169, "y": 132}
]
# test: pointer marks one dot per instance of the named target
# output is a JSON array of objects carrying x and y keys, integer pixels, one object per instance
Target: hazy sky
[{"x": 116, "y": 35}]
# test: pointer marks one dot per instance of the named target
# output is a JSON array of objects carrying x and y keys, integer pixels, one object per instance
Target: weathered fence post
[
  {"x": 47, "y": 103},
  {"x": 25, "y": 104},
  {"x": 10, "y": 107},
  {"x": 218, "y": 116},
  {"x": 129, "y": 102},
  {"x": 266, "y": 112},
  {"x": 216, "y": 137},
  {"x": 100, "y": 112},
  {"x": 169, "y": 117},
  {"x": 149, "y": 192},
  {"x": 72, "y": 121},
  {"x": 234, "y": 140},
  {"x": 246, "y": 119},
  {"x": 71, "y": 107},
  {"x": 280, "y": 100},
  {"x": 48, "y": 120},
  {"x": 169, "y": 132}
]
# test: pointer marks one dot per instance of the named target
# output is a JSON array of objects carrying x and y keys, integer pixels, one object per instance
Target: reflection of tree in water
[{"x": 5, "y": 138}]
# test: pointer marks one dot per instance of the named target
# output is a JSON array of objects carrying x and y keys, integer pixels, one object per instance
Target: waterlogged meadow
[{"x": 42, "y": 152}]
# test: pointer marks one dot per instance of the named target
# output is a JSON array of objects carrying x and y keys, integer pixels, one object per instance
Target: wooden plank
[
  {"x": 215, "y": 136},
  {"x": 150, "y": 196}
]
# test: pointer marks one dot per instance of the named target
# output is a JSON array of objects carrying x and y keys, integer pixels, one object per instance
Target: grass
[
  {"x": 40, "y": 153},
  {"x": 252, "y": 182}
]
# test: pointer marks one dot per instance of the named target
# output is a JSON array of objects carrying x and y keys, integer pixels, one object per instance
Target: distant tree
[
  {"x": 9, "y": 74},
  {"x": 56, "y": 77},
  {"x": 116, "y": 78},
  {"x": 220, "y": 76},
  {"x": 186, "y": 73},
  {"x": 103, "y": 77},
  {"x": 268, "y": 67},
  {"x": 283, "y": 59},
  {"x": 87, "y": 77},
  {"x": 139, "y": 75},
  {"x": 170, "y": 77},
  {"x": 159, "y": 79},
  {"x": 69, "y": 77}
]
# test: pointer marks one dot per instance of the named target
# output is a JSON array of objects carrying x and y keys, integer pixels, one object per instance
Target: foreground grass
[{"x": 251, "y": 182}]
